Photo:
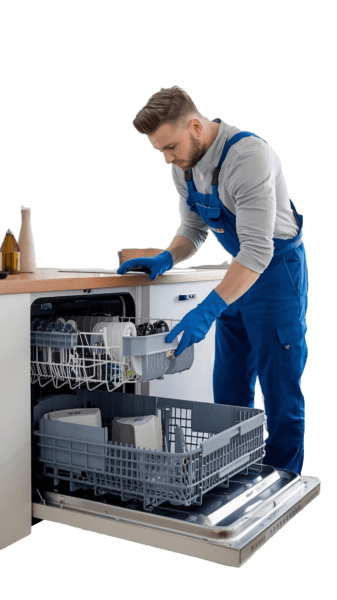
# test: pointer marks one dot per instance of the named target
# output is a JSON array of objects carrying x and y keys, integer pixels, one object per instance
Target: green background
[{"x": 73, "y": 76}]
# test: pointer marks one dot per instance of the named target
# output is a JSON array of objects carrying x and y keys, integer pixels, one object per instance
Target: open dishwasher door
[{"x": 228, "y": 528}]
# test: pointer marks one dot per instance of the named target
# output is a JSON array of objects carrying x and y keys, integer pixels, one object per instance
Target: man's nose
[{"x": 168, "y": 157}]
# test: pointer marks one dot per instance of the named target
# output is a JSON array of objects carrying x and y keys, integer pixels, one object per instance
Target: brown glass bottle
[{"x": 10, "y": 254}]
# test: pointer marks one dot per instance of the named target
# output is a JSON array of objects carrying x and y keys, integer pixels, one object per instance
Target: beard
[{"x": 197, "y": 152}]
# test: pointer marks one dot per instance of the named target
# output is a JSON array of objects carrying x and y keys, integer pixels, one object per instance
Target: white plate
[
  {"x": 98, "y": 329},
  {"x": 114, "y": 340},
  {"x": 121, "y": 330}
]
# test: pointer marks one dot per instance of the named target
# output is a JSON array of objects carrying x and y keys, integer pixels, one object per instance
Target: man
[{"x": 232, "y": 183}]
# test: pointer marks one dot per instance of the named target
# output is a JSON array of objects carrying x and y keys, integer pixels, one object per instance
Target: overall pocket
[
  {"x": 293, "y": 269},
  {"x": 207, "y": 206},
  {"x": 210, "y": 215},
  {"x": 291, "y": 361}
]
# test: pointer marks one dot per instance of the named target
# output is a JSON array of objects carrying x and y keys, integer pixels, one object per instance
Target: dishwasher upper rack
[{"x": 92, "y": 358}]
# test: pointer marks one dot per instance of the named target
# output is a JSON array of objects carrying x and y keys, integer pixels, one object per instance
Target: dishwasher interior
[{"x": 205, "y": 492}]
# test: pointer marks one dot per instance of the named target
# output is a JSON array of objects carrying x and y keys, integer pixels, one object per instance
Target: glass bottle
[
  {"x": 10, "y": 254},
  {"x": 26, "y": 243}
]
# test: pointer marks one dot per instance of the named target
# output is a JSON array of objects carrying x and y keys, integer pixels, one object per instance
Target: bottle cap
[
  {"x": 24, "y": 208},
  {"x": 9, "y": 231}
]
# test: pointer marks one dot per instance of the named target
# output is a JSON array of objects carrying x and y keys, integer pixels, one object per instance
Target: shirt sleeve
[
  {"x": 251, "y": 183},
  {"x": 192, "y": 226}
]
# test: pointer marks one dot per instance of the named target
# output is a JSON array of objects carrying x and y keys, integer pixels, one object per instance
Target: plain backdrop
[{"x": 73, "y": 76}]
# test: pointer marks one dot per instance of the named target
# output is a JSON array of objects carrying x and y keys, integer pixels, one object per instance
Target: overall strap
[{"x": 227, "y": 147}]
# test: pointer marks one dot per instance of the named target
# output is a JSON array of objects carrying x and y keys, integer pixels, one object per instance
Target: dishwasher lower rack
[
  {"x": 220, "y": 441},
  {"x": 110, "y": 353}
]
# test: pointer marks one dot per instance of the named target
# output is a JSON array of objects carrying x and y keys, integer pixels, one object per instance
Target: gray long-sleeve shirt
[{"x": 252, "y": 187}]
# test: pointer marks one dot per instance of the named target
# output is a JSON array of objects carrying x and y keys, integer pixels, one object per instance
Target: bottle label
[{"x": 13, "y": 262}]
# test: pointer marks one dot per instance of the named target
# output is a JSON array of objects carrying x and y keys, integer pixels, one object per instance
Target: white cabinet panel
[
  {"x": 15, "y": 438},
  {"x": 162, "y": 301}
]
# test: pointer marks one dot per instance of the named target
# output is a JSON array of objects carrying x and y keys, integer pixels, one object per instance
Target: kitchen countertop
[{"x": 48, "y": 280}]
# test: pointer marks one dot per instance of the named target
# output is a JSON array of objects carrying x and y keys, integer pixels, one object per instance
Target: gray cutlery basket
[
  {"x": 220, "y": 441},
  {"x": 53, "y": 339},
  {"x": 153, "y": 352}
]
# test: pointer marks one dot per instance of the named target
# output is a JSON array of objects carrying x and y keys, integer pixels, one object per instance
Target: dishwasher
[{"x": 201, "y": 489}]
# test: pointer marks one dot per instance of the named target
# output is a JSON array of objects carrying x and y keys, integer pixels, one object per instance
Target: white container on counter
[{"x": 26, "y": 244}]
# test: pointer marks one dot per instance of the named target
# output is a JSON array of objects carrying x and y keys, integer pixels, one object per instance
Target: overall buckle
[{"x": 215, "y": 178}]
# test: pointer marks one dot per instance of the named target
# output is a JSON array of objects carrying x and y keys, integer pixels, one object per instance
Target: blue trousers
[{"x": 263, "y": 334}]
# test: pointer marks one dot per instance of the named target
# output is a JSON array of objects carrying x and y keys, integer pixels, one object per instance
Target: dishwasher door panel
[
  {"x": 163, "y": 301},
  {"x": 134, "y": 292},
  {"x": 228, "y": 528}
]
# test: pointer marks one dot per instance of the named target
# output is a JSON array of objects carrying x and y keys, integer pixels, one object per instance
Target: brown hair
[{"x": 168, "y": 105}]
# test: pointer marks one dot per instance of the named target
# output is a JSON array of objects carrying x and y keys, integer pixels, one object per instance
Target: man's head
[{"x": 175, "y": 127}]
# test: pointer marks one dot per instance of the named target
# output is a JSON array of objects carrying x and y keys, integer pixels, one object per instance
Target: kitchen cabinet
[{"x": 15, "y": 436}]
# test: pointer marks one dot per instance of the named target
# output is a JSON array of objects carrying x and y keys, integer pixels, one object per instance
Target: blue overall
[{"x": 262, "y": 333}]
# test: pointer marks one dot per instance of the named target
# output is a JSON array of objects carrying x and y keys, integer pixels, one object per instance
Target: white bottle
[{"x": 26, "y": 244}]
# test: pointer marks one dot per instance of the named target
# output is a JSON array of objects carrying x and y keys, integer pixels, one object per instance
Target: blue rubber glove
[
  {"x": 197, "y": 322},
  {"x": 157, "y": 264}
]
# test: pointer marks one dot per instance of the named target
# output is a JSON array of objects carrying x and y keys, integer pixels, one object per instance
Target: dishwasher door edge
[{"x": 149, "y": 529}]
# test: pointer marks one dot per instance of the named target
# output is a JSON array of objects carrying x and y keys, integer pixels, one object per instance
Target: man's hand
[
  {"x": 197, "y": 322},
  {"x": 156, "y": 264}
]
